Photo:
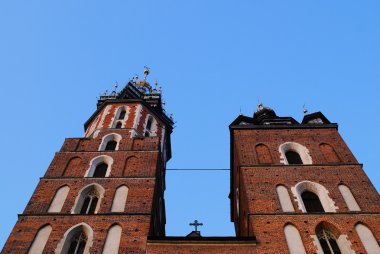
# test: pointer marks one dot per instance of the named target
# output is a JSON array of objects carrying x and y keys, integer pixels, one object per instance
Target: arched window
[
  {"x": 110, "y": 142},
  {"x": 367, "y": 238},
  {"x": 263, "y": 154},
  {"x": 59, "y": 199},
  {"x": 308, "y": 194},
  {"x": 112, "y": 243},
  {"x": 294, "y": 153},
  {"x": 118, "y": 125},
  {"x": 100, "y": 170},
  {"x": 100, "y": 166},
  {"x": 312, "y": 202},
  {"x": 111, "y": 145},
  {"x": 148, "y": 126},
  {"x": 283, "y": 195},
  {"x": 293, "y": 157},
  {"x": 328, "y": 241},
  {"x": 329, "y": 153},
  {"x": 40, "y": 240},
  {"x": 88, "y": 200},
  {"x": 78, "y": 243},
  {"x": 122, "y": 114},
  {"x": 77, "y": 240},
  {"x": 293, "y": 240},
  {"x": 118, "y": 204},
  {"x": 348, "y": 198}
]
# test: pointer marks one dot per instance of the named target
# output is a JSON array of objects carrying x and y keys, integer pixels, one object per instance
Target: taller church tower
[
  {"x": 103, "y": 193},
  {"x": 298, "y": 188}
]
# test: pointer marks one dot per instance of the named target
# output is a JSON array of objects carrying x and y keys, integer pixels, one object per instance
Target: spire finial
[
  {"x": 305, "y": 109},
  {"x": 260, "y": 105},
  {"x": 146, "y": 72}
]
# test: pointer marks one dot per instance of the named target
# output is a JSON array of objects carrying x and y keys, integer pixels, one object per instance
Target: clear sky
[{"x": 212, "y": 59}]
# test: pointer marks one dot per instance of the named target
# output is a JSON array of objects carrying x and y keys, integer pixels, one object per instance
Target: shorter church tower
[
  {"x": 103, "y": 193},
  {"x": 298, "y": 188}
]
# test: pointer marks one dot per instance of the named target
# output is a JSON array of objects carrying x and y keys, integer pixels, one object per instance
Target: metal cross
[{"x": 196, "y": 224}]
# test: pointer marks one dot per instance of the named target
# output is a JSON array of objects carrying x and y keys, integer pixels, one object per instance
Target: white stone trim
[
  {"x": 367, "y": 238},
  {"x": 348, "y": 198},
  {"x": 343, "y": 243},
  {"x": 153, "y": 127},
  {"x": 136, "y": 121},
  {"x": 40, "y": 240},
  {"x": 116, "y": 119},
  {"x": 285, "y": 201},
  {"x": 112, "y": 243},
  {"x": 96, "y": 161},
  {"x": 294, "y": 240},
  {"x": 59, "y": 199},
  {"x": 318, "y": 189},
  {"x": 298, "y": 148},
  {"x": 105, "y": 113},
  {"x": 64, "y": 244},
  {"x": 92, "y": 127},
  {"x": 82, "y": 194},
  {"x": 120, "y": 199},
  {"x": 109, "y": 137}
]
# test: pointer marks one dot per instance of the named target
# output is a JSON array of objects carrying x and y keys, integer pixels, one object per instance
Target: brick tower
[
  {"x": 103, "y": 193},
  {"x": 298, "y": 188}
]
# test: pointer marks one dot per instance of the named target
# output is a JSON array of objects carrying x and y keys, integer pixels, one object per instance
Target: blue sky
[{"x": 212, "y": 59}]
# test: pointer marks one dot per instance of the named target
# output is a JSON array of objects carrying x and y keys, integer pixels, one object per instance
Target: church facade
[{"x": 295, "y": 187}]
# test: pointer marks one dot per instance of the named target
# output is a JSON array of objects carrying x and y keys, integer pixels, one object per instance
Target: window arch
[
  {"x": 77, "y": 240},
  {"x": 329, "y": 240},
  {"x": 294, "y": 240},
  {"x": 285, "y": 201},
  {"x": 40, "y": 240},
  {"x": 73, "y": 167},
  {"x": 263, "y": 154},
  {"x": 110, "y": 142},
  {"x": 329, "y": 153},
  {"x": 348, "y": 198},
  {"x": 150, "y": 126},
  {"x": 120, "y": 116},
  {"x": 88, "y": 199},
  {"x": 59, "y": 199},
  {"x": 294, "y": 153},
  {"x": 100, "y": 166},
  {"x": 317, "y": 189},
  {"x": 112, "y": 243},
  {"x": 367, "y": 238},
  {"x": 120, "y": 199}
]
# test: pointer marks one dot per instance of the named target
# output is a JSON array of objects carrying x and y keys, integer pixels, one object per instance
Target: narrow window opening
[
  {"x": 122, "y": 115},
  {"x": 111, "y": 145},
  {"x": 118, "y": 125},
  {"x": 293, "y": 157},
  {"x": 90, "y": 202},
  {"x": 78, "y": 243},
  {"x": 148, "y": 127},
  {"x": 312, "y": 202},
  {"x": 100, "y": 170},
  {"x": 328, "y": 242}
]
